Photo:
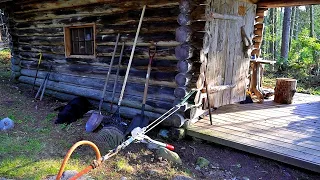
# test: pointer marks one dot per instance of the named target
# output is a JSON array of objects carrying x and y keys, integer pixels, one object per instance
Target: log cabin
[{"x": 200, "y": 43}]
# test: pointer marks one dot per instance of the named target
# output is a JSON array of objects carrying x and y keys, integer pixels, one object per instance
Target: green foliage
[
  {"x": 304, "y": 57},
  {"x": 5, "y": 57}
]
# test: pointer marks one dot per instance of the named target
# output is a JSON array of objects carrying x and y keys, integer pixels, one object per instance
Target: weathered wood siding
[
  {"x": 37, "y": 26},
  {"x": 227, "y": 65}
]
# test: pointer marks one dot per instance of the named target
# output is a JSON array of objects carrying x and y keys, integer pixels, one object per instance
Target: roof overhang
[{"x": 285, "y": 3}]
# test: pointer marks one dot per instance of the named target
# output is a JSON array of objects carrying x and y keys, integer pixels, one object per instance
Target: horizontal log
[
  {"x": 183, "y": 34},
  {"x": 135, "y": 88},
  {"x": 15, "y": 60},
  {"x": 257, "y": 39},
  {"x": 116, "y": 12},
  {"x": 285, "y": 3},
  {"x": 186, "y": 79},
  {"x": 15, "y": 68},
  {"x": 260, "y": 14},
  {"x": 258, "y": 32},
  {"x": 257, "y": 45},
  {"x": 126, "y": 112},
  {"x": 46, "y": 6},
  {"x": 102, "y": 70},
  {"x": 188, "y": 66},
  {"x": 184, "y": 51},
  {"x": 256, "y": 52},
  {"x": 187, "y": 6},
  {"x": 259, "y": 19},
  {"x": 259, "y": 26},
  {"x": 129, "y": 101},
  {"x": 184, "y": 19},
  {"x": 181, "y": 92},
  {"x": 15, "y": 75}
]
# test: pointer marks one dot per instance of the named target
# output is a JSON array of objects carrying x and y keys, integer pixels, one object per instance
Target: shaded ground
[{"x": 35, "y": 148}]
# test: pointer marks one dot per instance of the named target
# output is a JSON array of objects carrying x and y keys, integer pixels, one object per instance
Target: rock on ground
[
  {"x": 202, "y": 162},
  {"x": 169, "y": 155},
  {"x": 67, "y": 175}
]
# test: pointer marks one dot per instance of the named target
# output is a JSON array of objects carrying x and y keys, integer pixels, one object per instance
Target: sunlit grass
[
  {"x": 123, "y": 165},
  {"x": 22, "y": 167},
  {"x": 5, "y": 57}
]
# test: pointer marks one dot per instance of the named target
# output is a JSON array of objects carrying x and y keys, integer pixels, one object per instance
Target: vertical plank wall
[
  {"x": 37, "y": 26},
  {"x": 227, "y": 64}
]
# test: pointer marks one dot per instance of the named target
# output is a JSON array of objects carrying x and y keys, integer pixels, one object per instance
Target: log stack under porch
[{"x": 37, "y": 26}]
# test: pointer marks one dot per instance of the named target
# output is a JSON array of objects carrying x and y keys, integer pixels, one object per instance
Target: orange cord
[{"x": 66, "y": 158}]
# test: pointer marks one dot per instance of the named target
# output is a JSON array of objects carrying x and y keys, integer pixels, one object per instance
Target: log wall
[{"x": 37, "y": 26}]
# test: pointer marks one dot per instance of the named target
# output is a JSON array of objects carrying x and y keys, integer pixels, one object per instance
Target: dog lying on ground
[{"x": 74, "y": 110}]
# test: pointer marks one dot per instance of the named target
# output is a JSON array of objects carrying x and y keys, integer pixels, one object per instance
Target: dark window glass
[{"x": 82, "y": 41}]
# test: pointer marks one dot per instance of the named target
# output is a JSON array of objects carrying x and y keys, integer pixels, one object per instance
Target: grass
[
  {"x": 123, "y": 165},
  {"x": 270, "y": 82},
  {"x": 5, "y": 56},
  {"x": 23, "y": 167},
  {"x": 19, "y": 144}
]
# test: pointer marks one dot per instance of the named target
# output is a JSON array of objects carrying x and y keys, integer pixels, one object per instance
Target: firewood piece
[
  {"x": 183, "y": 52},
  {"x": 183, "y": 34},
  {"x": 285, "y": 90}
]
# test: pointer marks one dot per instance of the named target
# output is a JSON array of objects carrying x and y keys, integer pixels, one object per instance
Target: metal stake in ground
[{"x": 140, "y": 120}]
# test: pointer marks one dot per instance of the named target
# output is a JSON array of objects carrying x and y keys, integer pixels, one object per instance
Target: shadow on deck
[{"x": 286, "y": 133}]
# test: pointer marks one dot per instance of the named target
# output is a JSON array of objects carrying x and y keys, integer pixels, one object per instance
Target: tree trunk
[
  {"x": 285, "y": 35},
  {"x": 275, "y": 33},
  {"x": 311, "y": 21},
  {"x": 297, "y": 23},
  {"x": 271, "y": 42},
  {"x": 293, "y": 14}
]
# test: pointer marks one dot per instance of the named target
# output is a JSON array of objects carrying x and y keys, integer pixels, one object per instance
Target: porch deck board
[{"x": 286, "y": 133}]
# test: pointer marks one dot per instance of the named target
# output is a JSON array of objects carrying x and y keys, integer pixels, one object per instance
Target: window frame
[{"x": 67, "y": 40}]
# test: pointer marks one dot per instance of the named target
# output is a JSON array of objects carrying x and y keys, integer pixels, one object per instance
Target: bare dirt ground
[{"x": 34, "y": 123}]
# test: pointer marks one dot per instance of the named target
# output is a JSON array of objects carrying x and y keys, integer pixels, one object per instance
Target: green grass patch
[
  {"x": 5, "y": 56},
  {"x": 19, "y": 144},
  {"x": 123, "y": 165},
  {"x": 50, "y": 117},
  {"x": 22, "y": 167}
]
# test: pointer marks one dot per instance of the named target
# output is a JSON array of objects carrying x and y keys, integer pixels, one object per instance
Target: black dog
[{"x": 74, "y": 110}]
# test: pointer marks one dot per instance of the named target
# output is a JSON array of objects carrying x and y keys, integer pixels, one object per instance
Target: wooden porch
[{"x": 286, "y": 133}]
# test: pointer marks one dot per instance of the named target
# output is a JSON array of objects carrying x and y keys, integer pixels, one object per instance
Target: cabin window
[{"x": 80, "y": 41}]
